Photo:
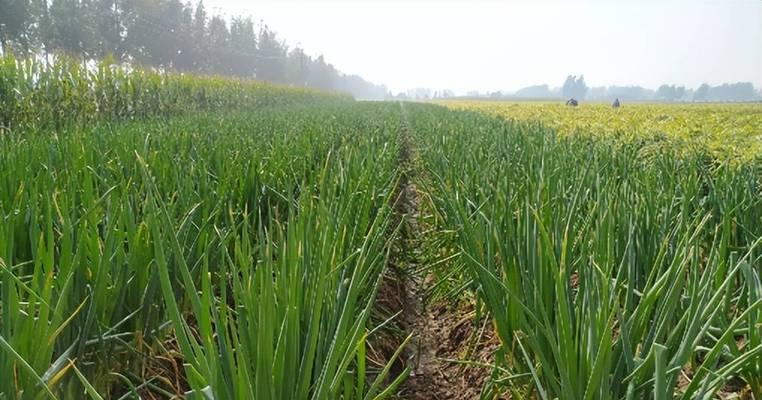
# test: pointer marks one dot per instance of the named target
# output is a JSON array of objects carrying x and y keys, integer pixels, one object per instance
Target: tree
[
  {"x": 109, "y": 29},
  {"x": 143, "y": 31},
  {"x": 670, "y": 93},
  {"x": 630, "y": 93},
  {"x": 360, "y": 88},
  {"x": 71, "y": 30},
  {"x": 701, "y": 93},
  {"x": 679, "y": 92},
  {"x": 243, "y": 47},
  {"x": 219, "y": 46},
  {"x": 184, "y": 58},
  {"x": 574, "y": 87},
  {"x": 16, "y": 26},
  {"x": 321, "y": 75},
  {"x": 298, "y": 67},
  {"x": 152, "y": 32},
  {"x": 166, "y": 34},
  {"x": 535, "y": 92},
  {"x": 199, "y": 36},
  {"x": 272, "y": 57},
  {"x": 740, "y": 91}
]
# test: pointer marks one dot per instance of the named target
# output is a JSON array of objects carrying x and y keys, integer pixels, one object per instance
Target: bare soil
[{"x": 444, "y": 335}]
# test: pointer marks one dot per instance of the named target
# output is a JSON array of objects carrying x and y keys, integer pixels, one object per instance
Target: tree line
[
  {"x": 575, "y": 87},
  {"x": 167, "y": 35}
]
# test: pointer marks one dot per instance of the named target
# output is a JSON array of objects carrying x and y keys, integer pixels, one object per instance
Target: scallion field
[{"x": 170, "y": 236}]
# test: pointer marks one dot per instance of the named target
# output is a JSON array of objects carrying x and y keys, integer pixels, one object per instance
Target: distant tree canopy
[
  {"x": 670, "y": 93},
  {"x": 536, "y": 92},
  {"x": 167, "y": 34},
  {"x": 628, "y": 93},
  {"x": 741, "y": 91},
  {"x": 574, "y": 87}
]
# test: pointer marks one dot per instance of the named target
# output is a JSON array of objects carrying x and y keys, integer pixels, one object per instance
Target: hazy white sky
[{"x": 505, "y": 45}]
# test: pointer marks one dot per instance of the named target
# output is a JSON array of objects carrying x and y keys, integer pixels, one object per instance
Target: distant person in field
[
  {"x": 616, "y": 103},
  {"x": 572, "y": 102}
]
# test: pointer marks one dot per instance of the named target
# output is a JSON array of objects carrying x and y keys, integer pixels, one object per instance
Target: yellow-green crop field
[{"x": 728, "y": 131}]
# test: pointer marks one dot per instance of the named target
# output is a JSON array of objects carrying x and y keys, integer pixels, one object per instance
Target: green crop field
[
  {"x": 177, "y": 236},
  {"x": 610, "y": 270}
]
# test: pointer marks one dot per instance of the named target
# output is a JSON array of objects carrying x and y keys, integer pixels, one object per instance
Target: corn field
[
  {"x": 172, "y": 236},
  {"x": 35, "y": 95}
]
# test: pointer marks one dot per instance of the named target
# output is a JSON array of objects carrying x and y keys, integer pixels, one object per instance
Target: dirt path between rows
[{"x": 442, "y": 333}]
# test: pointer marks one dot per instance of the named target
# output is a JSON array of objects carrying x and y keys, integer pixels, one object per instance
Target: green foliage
[
  {"x": 214, "y": 238},
  {"x": 729, "y": 132},
  {"x": 249, "y": 245},
  {"x": 166, "y": 35},
  {"x": 612, "y": 270},
  {"x": 35, "y": 96}
]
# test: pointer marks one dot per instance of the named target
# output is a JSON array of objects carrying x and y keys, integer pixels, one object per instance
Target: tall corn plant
[{"x": 37, "y": 96}]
